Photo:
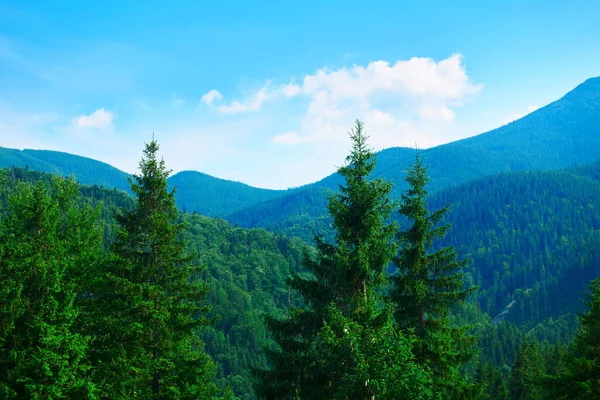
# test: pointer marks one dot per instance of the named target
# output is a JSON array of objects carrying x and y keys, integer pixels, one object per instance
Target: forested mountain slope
[
  {"x": 533, "y": 237},
  {"x": 86, "y": 170},
  {"x": 213, "y": 196},
  {"x": 246, "y": 272}
]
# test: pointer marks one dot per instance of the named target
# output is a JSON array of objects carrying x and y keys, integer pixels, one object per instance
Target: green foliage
[
  {"x": 491, "y": 383},
  {"x": 85, "y": 170},
  {"x": 526, "y": 372},
  {"x": 370, "y": 361},
  {"x": 318, "y": 354},
  {"x": 532, "y": 238},
  {"x": 428, "y": 285},
  {"x": 246, "y": 273},
  {"x": 48, "y": 246},
  {"x": 580, "y": 377},
  {"x": 216, "y": 197},
  {"x": 145, "y": 310}
]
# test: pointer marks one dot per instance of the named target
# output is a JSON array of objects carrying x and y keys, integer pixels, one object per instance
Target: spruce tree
[
  {"x": 581, "y": 378},
  {"x": 491, "y": 384},
  {"x": 146, "y": 304},
  {"x": 428, "y": 285},
  {"x": 343, "y": 344},
  {"x": 47, "y": 241},
  {"x": 526, "y": 372}
]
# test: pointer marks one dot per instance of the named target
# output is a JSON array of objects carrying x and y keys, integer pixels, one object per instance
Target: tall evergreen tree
[
  {"x": 491, "y": 383},
  {"x": 526, "y": 372},
  {"x": 581, "y": 378},
  {"x": 47, "y": 240},
  {"x": 428, "y": 285},
  {"x": 146, "y": 310},
  {"x": 343, "y": 343}
]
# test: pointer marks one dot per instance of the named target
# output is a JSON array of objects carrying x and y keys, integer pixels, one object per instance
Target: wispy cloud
[
  {"x": 402, "y": 102},
  {"x": 99, "y": 119},
  {"x": 209, "y": 97},
  {"x": 253, "y": 102}
]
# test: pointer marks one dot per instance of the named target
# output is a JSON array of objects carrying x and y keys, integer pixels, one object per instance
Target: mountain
[
  {"x": 86, "y": 170},
  {"x": 532, "y": 237},
  {"x": 562, "y": 134},
  {"x": 245, "y": 270},
  {"x": 195, "y": 191},
  {"x": 213, "y": 196}
]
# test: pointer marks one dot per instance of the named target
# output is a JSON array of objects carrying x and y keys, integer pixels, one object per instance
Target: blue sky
[{"x": 265, "y": 92}]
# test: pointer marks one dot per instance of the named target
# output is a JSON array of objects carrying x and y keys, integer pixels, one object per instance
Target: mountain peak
[
  {"x": 595, "y": 82},
  {"x": 590, "y": 88}
]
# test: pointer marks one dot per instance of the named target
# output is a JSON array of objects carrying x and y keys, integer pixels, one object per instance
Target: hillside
[
  {"x": 195, "y": 191},
  {"x": 86, "y": 170},
  {"x": 532, "y": 237},
  {"x": 245, "y": 269},
  {"x": 562, "y": 134},
  {"x": 213, "y": 196}
]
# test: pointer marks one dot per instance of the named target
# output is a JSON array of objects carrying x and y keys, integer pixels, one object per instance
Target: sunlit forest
[{"x": 484, "y": 290}]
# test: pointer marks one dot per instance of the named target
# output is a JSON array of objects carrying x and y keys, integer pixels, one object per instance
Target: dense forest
[
  {"x": 245, "y": 271},
  {"x": 485, "y": 290}
]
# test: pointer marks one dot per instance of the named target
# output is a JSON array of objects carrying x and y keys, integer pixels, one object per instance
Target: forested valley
[{"x": 483, "y": 290}]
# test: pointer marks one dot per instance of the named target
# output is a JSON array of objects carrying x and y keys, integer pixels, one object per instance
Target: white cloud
[
  {"x": 255, "y": 101},
  {"x": 434, "y": 112},
  {"x": 513, "y": 116},
  {"x": 407, "y": 101},
  {"x": 252, "y": 104},
  {"x": 421, "y": 77},
  {"x": 211, "y": 96},
  {"x": 99, "y": 119},
  {"x": 379, "y": 119}
]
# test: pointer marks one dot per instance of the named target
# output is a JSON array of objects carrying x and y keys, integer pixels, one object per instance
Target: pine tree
[
  {"x": 581, "y": 378},
  {"x": 428, "y": 285},
  {"x": 526, "y": 372},
  {"x": 491, "y": 383},
  {"x": 343, "y": 343},
  {"x": 146, "y": 310},
  {"x": 47, "y": 241}
]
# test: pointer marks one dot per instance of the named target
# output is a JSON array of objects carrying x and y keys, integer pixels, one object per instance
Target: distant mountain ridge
[
  {"x": 86, "y": 170},
  {"x": 212, "y": 196},
  {"x": 562, "y": 134},
  {"x": 195, "y": 191}
]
